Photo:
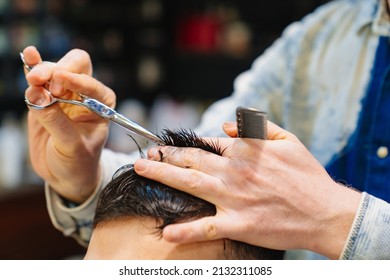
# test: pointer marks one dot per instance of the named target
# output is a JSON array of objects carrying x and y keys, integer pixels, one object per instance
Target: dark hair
[{"x": 131, "y": 195}]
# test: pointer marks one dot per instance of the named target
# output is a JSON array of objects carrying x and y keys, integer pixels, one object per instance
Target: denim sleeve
[
  {"x": 369, "y": 238},
  {"x": 76, "y": 220}
]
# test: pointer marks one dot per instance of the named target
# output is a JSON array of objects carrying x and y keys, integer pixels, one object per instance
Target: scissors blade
[
  {"x": 136, "y": 128},
  {"x": 108, "y": 113}
]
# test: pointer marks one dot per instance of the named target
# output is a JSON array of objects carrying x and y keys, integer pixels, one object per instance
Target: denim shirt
[
  {"x": 369, "y": 238},
  {"x": 311, "y": 81},
  {"x": 364, "y": 163}
]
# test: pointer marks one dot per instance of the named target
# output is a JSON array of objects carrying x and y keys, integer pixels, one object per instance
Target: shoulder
[{"x": 355, "y": 11}]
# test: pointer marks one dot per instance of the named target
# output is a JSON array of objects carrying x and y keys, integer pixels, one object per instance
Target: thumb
[
  {"x": 230, "y": 128},
  {"x": 275, "y": 132},
  {"x": 52, "y": 118},
  {"x": 199, "y": 230}
]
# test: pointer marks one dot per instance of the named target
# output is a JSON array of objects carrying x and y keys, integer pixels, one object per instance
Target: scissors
[{"x": 95, "y": 106}]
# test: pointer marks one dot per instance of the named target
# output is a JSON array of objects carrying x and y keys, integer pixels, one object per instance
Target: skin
[
  {"x": 136, "y": 239},
  {"x": 255, "y": 181},
  {"x": 66, "y": 138}
]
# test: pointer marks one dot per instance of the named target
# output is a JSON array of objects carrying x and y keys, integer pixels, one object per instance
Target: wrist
[
  {"x": 78, "y": 191},
  {"x": 335, "y": 221}
]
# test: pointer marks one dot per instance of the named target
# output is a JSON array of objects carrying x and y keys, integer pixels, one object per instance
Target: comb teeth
[{"x": 251, "y": 123}]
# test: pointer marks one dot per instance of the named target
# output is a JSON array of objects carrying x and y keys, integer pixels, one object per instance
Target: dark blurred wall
[
  {"x": 189, "y": 50},
  {"x": 140, "y": 47}
]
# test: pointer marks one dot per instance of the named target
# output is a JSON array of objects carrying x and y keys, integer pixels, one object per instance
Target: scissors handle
[{"x": 98, "y": 108}]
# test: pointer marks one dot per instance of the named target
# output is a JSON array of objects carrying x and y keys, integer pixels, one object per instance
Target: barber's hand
[
  {"x": 66, "y": 140},
  {"x": 269, "y": 193}
]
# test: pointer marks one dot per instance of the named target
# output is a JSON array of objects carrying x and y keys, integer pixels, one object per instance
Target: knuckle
[
  {"x": 246, "y": 172},
  {"x": 80, "y": 54},
  {"x": 111, "y": 98},
  {"x": 108, "y": 96},
  {"x": 193, "y": 180},
  {"x": 48, "y": 118},
  {"x": 58, "y": 75},
  {"x": 82, "y": 59},
  {"x": 189, "y": 157},
  {"x": 167, "y": 153},
  {"x": 210, "y": 230},
  {"x": 184, "y": 157},
  {"x": 47, "y": 65},
  {"x": 96, "y": 86},
  {"x": 193, "y": 158}
]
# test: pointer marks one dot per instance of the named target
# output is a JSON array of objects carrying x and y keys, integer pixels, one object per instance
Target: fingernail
[
  {"x": 55, "y": 88},
  {"x": 152, "y": 152}
]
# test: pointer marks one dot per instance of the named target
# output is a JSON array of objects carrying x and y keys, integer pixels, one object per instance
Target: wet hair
[{"x": 131, "y": 195}]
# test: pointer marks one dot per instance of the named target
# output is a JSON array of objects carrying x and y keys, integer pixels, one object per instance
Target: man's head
[{"x": 133, "y": 210}]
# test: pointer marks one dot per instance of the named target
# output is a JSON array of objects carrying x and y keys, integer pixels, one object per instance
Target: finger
[
  {"x": 33, "y": 96},
  {"x": 32, "y": 56},
  {"x": 188, "y": 180},
  {"x": 230, "y": 128},
  {"x": 76, "y": 61},
  {"x": 53, "y": 119},
  {"x": 199, "y": 230},
  {"x": 41, "y": 73},
  {"x": 193, "y": 158},
  {"x": 81, "y": 83}
]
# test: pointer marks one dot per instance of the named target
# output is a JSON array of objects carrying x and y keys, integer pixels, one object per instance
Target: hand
[
  {"x": 66, "y": 140},
  {"x": 270, "y": 193}
]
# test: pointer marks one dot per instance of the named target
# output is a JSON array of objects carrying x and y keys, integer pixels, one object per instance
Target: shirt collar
[
  {"x": 381, "y": 24},
  {"x": 374, "y": 13}
]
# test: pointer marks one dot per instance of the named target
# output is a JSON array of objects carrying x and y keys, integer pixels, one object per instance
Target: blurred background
[{"x": 167, "y": 60}]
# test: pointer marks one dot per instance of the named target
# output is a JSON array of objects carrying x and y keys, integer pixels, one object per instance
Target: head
[{"x": 132, "y": 211}]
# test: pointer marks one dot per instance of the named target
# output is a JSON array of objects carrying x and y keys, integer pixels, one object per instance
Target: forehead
[{"x": 136, "y": 238}]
